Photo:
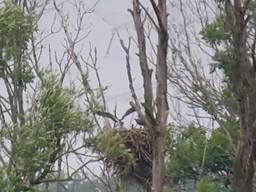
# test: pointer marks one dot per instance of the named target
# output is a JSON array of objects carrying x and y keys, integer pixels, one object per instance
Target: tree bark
[
  {"x": 161, "y": 99},
  {"x": 155, "y": 123},
  {"x": 244, "y": 160},
  {"x": 243, "y": 82},
  {"x": 158, "y": 163}
]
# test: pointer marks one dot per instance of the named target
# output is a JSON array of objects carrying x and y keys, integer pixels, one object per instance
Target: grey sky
[{"x": 109, "y": 17}]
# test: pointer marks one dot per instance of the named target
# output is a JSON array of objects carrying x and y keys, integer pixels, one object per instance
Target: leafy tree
[
  {"x": 193, "y": 155},
  {"x": 16, "y": 29},
  {"x": 41, "y": 120},
  {"x": 237, "y": 63},
  {"x": 186, "y": 155},
  {"x": 52, "y": 118}
]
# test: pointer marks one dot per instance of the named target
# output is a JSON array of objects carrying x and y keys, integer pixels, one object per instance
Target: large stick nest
[{"x": 139, "y": 142}]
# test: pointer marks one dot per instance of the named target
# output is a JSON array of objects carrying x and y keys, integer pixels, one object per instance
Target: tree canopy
[{"x": 190, "y": 68}]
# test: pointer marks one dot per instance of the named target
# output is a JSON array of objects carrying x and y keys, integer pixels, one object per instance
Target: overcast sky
[{"x": 109, "y": 18}]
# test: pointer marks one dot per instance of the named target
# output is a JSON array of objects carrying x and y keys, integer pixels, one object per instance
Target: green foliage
[
  {"x": 186, "y": 156},
  {"x": 225, "y": 61},
  {"x": 16, "y": 28},
  {"x": 218, "y": 35},
  {"x": 215, "y": 32},
  {"x": 192, "y": 146},
  {"x": 206, "y": 185},
  {"x": 57, "y": 109},
  {"x": 12, "y": 182},
  {"x": 53, "y": 117},
  {"x": 109, "y": 142},
  {"x": 219, "y": 153},
  {"x": 220, "y": 150},
  {"x": 27, "y": 74}
]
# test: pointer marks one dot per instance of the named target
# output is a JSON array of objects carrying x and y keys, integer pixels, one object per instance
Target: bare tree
[{"x": 152, "y": 114}]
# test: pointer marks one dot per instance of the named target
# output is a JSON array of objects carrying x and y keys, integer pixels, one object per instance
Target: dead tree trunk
[
  {"x": 161, "y": 100},
  {"x": 154, "y": 117}
]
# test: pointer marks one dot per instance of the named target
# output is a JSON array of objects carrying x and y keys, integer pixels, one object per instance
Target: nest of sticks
[{"x": 139, "y": 142}]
